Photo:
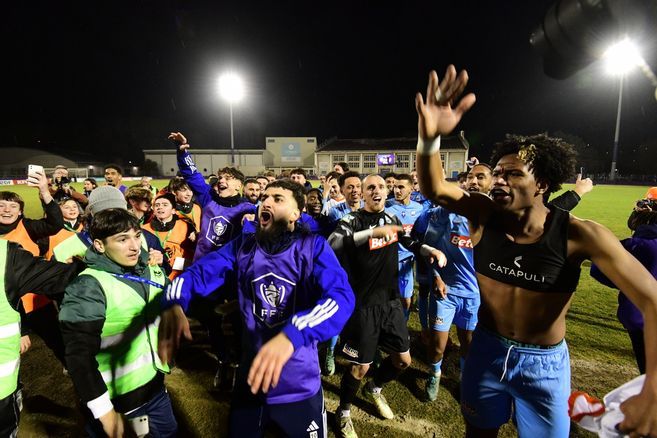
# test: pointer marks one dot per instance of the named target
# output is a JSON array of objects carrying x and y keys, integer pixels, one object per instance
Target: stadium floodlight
[
  {"x": 231, "y": 89},
  {"x": 620, "y": 58}
]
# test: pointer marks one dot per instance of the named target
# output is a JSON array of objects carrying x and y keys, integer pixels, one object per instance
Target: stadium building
[{"x": 286, "y": 153}]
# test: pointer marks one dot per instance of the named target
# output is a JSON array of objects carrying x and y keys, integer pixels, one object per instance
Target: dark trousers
[
  {"x": 161, "y": 422},
  {"x": 250, "y": 416},
  {"x": 10, "y": 413}
]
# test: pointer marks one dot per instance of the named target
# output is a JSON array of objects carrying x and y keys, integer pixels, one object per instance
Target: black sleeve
[
  {"x": 82, "y": 343},
  {"x": 406, "y": 240},
  {"x": 154, "y": 243},
  {"x": 25, "y": 273},
  {"x": 567, "y": 200},
  {"x": 51, "y": 224}
]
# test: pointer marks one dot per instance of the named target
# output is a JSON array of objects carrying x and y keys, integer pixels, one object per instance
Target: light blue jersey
[
  {"x": 449, "y": 233},
  {"x": 407, "y": 214}
]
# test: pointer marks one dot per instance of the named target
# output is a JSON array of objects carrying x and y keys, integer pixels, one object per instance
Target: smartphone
[
  {"x": 139, "y": 425},
  {"x": 32, "y": 169}
]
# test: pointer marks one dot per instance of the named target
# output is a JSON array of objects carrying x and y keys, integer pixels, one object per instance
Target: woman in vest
[
  {"x": 20, "y": 272},
  {"x": 109, "y": 320},
  {"x": 73, "y": 223},
  {"x": 176, "y": 234}
]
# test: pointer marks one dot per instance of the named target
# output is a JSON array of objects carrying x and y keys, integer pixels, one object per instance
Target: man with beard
[
  {"x": 365, "y": 241},
  {"x": 252, "y": 190},
  {"x": 292, "y": 294},
  {"x": 407, "y": 211},
  {"x": 527, "y": 257}
]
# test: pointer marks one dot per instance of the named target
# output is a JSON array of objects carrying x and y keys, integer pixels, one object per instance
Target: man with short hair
[
  {"x": 390, "y": 184},
  {"x": 263, "y": 181},
  {"x": 294, "y": 296},
  {"x": 270, "y": 175},
  {"x": 527, "y": 256},
  {"x": 341, "y": 167},
  {"x": 61, "y": 186},
  {"x": 299, "y": 176},
  {"x": 366, "y": 243},
  {"x": 146, "y": 183},
  {"x": 458, "y": 300},
  {"x": 114, "y": 177},
  {"x": 252, "y": 190},
  {"x": 109, "y": 322},
  {"x": 331, "y": 192},
  {"x": 350, "y": 185},
  {"x": 407, "y": 211}
]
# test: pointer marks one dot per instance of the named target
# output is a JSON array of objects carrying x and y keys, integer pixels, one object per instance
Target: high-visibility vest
[
  {"x": 19, "y": 235},
  {"x": 194, "y": 216},
  {"x": 10, "y": 334},
  {"x": 128, "y": 358},
  {"x": 57, "y": 239},
  {"x": 172, "y": 243}
]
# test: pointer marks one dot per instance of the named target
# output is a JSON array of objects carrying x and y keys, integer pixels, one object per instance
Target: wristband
[{"x": 428, "y": 148}]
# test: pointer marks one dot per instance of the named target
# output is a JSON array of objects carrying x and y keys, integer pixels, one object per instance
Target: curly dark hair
[{"x": 550, "y": 159}]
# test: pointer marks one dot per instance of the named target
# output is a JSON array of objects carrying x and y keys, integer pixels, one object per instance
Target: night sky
[{"x": 115, "y": 79}]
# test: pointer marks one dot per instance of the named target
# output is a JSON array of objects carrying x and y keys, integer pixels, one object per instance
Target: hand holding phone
[{"x": 32, "y": 174}]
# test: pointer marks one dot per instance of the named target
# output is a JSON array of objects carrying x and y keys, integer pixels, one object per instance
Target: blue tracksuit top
[{"x": 221, "y": 218}]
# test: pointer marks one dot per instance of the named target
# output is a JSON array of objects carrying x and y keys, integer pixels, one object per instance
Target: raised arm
[
  {"x": 628, "y": 274},
  {"x": 189, "y": 171},
  {"x": 438, "y": 115}
]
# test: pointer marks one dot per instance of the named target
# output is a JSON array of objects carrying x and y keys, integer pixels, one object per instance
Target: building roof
[{"x": 393, "y": 144}]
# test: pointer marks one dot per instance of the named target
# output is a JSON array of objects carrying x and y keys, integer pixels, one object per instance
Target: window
[
  {"x": 337, "y": 158},
  {"x": 310, "y": 140},
  {"x": 353, "y": 161},
  {"x": 369, "y": 161},
  {"x": 403, "y": 161}
]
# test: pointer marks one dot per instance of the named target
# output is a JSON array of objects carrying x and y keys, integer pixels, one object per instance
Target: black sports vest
[{"x": 540, "y": 266}]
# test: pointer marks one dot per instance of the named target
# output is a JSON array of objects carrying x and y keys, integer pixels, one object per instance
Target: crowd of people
[{"x": 110, "y": 275}]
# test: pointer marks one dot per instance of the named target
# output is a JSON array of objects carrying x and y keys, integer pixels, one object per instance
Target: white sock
[{"x": 345, "y": 413}]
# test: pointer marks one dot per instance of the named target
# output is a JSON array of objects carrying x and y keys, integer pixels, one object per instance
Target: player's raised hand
[
  {"x": 440, "y": 112},
  {"x": 179, "y": 139}
]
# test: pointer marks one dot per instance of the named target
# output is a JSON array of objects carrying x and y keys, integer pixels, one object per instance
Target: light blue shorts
[
  {"x": 453, "y": 309},
  {"x": 406, "y": 277},
  {"x": 499, "y": 375}
]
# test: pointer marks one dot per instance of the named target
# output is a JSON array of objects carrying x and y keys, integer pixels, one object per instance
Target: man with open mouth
[
  {"x": 527, "y": 256},
  {"x": 366, "y": 242},
  {"x": 292, "y": 294}
]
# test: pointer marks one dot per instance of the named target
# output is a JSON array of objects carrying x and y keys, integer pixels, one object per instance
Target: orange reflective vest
[
  {"x": 174, "y": 243},
  {"x": 194, "y": 216},
  {"x": 19, "y": 235}
]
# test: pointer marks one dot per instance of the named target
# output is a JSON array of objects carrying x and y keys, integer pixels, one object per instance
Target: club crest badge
[
  {"x": 273, "y": 302},
  {"x": 219, "y": 231}
]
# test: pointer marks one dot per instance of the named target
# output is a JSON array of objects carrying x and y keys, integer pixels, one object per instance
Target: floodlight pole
[
  {"x": 614, "y": 156},
  {"x": 232, "y": 136}
]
